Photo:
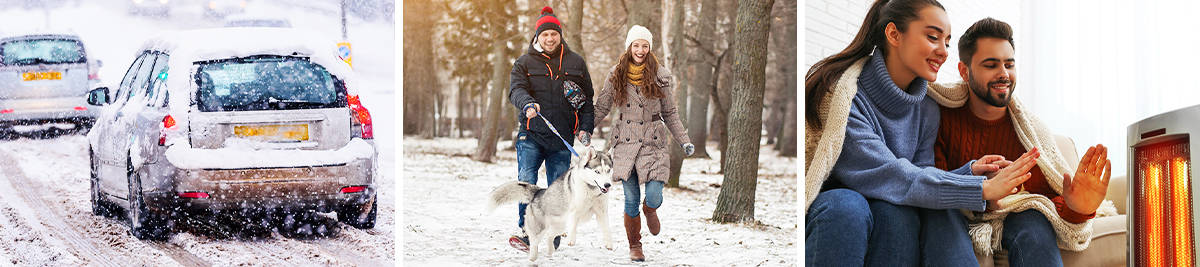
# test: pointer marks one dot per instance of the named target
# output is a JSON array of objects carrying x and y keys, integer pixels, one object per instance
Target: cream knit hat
[{"x": 638, "y": 32}]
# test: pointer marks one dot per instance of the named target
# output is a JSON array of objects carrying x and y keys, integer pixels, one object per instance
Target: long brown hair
[
  {"x": 823, "y": 75},
  {"x": 650, "y": 88}
]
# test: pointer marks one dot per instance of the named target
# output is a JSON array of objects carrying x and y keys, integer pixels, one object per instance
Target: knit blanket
[{"x": 822, "y": 146}]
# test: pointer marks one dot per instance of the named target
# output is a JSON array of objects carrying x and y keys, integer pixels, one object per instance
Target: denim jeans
[
  {"x": 530, "y": 156},
  {"x": 911, "y": 236},
  {"x": 836, "y": 228},
  {"x": 1030, "y": 240},
  {"x": 633, "y": 194}
]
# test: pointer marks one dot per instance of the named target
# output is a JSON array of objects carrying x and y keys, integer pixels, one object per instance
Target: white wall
[{"x": 831, "y": 24}]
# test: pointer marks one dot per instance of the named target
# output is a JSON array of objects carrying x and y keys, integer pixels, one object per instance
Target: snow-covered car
[
  {"x": 222, "y": 8},
  {"x": 233, "y": 119},
  {"x": 150, "y": 7},
  {"x": 44, "y": 78}
]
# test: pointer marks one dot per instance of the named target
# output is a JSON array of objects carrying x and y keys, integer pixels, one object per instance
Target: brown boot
[
  {"x": 633, "y": 231},
  {"x": 651, "y": 219}
]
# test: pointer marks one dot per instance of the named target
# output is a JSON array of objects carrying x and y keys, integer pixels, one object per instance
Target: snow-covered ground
[
  {"x": 445, "y": 221},
  {"x": 45, "y": 216}
]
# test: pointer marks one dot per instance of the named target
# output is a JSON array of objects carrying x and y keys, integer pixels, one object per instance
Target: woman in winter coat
[{"x": 640, "y": 89}]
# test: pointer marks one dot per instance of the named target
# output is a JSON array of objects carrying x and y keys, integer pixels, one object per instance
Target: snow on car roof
[{"x": 223, "y": 43}]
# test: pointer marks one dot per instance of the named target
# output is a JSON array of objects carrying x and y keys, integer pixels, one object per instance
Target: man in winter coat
[{"x": 548, "y": 83}]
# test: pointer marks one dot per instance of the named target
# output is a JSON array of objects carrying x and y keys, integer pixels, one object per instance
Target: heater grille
[{"x": 1163, "y": 217}]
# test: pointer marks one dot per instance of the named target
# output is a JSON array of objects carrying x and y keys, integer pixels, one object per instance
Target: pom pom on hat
[{"x": 547, "y": 10}]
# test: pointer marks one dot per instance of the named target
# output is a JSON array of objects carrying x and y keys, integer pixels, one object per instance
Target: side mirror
[{"x": 98, "y": 96}]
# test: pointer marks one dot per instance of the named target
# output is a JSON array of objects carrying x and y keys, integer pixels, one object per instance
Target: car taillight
[
  {"x": 353, "y": 189},
  {"x": 80, "y": 108},
  {"x": 6, "y": 111},
  {"x": 1162, "y": 208},
  {"x": 193, "y": 195},
  {"x": 360, "y": 117},
  {"x": 168, "y": 124}
]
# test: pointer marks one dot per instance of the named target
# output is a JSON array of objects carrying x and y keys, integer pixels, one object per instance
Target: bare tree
[
  {"x": 787, "y": 139},
  {"x": 678, "y": 59},
  {"x": 487, "y": 140},
  {"x": 736, "y": 200},
  {"x": 419, "y": 108},
  {"x": 499, "y": 22},
  {"x": 701, "y": 84}
]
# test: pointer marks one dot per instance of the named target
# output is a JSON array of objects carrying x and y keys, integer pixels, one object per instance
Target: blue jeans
[
  {"x": 911, "y": 236},
  {"x": 530, "y": 156},
  {"x": 633, "y": 194},
  {"x": 836, "y": 228},
  {"x": 1030, "y": 240}
]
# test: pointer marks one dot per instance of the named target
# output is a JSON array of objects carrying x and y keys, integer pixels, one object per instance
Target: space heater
[{"x": 1161, "y": 212}]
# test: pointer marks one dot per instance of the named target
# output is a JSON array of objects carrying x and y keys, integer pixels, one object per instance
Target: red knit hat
[{"x": 547, "y": 21}]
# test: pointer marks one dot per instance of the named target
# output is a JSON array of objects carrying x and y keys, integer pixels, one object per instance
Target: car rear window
[
  {"x": 41, "y": 51},
  {"x": 266, "y": 83}
]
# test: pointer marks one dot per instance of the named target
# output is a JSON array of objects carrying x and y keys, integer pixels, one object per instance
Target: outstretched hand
[{"x": 1084, "y": 192}]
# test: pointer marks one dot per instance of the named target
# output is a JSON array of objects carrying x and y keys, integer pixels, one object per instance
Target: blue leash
[{"x": 560, "y": 138}]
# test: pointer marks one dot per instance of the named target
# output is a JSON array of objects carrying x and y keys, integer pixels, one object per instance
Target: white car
[
  {"x": 232, "y": 119},
  {"x": 44, "y": 78}
]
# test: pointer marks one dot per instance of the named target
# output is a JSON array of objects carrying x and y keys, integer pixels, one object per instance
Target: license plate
[
  {"x": 33, "y": 76},
  {"x": 285, "y": 132}
]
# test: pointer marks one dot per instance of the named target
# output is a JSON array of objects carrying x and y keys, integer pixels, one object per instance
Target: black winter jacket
[{"x": 537, "y": 78}]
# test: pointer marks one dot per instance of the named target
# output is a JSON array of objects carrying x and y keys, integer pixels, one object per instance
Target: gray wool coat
[{"x": 639, "y": 143}]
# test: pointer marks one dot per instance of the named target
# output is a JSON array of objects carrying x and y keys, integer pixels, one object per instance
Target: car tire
[
  {"x": 349, "y": 215},
  {"x": 100, "y": 206},
  {"x": 143, "y": 223}
]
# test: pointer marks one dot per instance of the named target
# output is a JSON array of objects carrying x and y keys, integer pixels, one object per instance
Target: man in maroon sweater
[{"x": 983, "y": 129}]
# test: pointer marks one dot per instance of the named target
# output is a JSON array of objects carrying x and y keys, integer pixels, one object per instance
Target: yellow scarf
[{"x": 635, "y": 73}]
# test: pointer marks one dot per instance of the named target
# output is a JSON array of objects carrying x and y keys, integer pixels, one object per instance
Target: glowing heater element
[
  {"x": 1153, "y": 217},
  {"x": 1181, "y": 215},
  {"x": 1163, "y": 233}
]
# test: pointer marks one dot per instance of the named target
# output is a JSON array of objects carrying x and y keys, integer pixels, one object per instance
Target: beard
[{"x": 983, "y": 91}]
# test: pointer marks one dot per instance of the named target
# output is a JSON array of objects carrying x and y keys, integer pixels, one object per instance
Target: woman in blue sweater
[{"x": 884, "y": 202}]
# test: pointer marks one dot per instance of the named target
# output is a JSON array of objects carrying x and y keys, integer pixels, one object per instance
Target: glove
[
  {"x": 532, "y": 109},
  {"x": 689, "y": 149},
  {"x": 585, "y": 138}
]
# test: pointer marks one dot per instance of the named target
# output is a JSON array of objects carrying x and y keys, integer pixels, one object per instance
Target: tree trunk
[
  {"x": 487, "y": 139},
  {"x": 677, "y": 60},
  {"x": 736, "y": 200},
  {"x": 418, "y": 106},
  {"x": 702, "y": 84},
  {"x": 575, "y": 32},
  {"x": 787, "y": 142}
]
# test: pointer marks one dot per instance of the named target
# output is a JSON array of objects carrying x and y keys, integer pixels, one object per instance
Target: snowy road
[
  {"x": 445, "y": 221},
  {"x": 45, "y": 214}
]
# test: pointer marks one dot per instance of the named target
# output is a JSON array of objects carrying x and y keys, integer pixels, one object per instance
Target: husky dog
[{"x": 578, "y": 194}]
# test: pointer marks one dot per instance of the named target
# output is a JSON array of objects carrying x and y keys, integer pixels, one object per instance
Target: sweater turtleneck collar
[{"x": 877, "y": 84}]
